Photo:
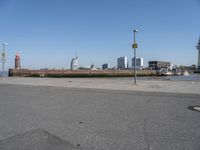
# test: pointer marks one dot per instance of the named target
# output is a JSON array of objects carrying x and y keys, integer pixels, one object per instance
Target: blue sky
[{"x": 47, "y": 33}]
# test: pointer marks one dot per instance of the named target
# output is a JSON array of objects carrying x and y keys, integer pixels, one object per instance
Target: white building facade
[
  {"x": 122, "y": 62},
  {"x": 139, "y": 62},
  {"x": 74, "y": 63}
]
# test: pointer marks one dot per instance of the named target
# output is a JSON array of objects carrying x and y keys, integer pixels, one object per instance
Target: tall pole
[
  {"x": 3, "y": 59},
  {"x": 134, "y": 46},
  {"x": 198, "y": 48}
]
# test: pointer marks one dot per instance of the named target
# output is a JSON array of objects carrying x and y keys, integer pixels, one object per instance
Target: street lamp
[
  {"x": 3, "y": 59},
  {"x": 134, "y": 46}
]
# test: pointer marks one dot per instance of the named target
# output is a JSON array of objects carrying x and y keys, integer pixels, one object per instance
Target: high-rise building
[
  {"x": 122, "y": 62},
  {"x": 17, "y": 61},
  {"x": 74, "y": 63},
  {"x": 139, "y": 62},
  {"x": 198, "y": 48}
]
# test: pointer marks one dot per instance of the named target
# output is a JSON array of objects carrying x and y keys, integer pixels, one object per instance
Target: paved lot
[
  {"x": 111, "y": 83},
  {"x": 100, "y": 119}
]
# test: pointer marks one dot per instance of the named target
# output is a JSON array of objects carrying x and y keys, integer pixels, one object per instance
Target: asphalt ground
[{"x": 96, "y": 119}]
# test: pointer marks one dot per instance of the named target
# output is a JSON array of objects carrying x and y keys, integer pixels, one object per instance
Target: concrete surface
[
  {"x": 103, "y": 119},
  {"x": 111, "y": 83}
]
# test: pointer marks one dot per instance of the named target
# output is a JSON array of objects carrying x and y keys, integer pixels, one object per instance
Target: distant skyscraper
[
  {"x": 74, "y": 63},
  {"x": 122, "y": 62},
  {"x": 198, "y": 48},
  {"x": 17, "y": 61},
  {"x": 139, "y": 62}
]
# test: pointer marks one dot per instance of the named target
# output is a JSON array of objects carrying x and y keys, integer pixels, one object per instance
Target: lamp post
[
  {"x": 3, "y": 59},
  {"x": 134, "y": 46},
  {"x": 198, "y": 48}
]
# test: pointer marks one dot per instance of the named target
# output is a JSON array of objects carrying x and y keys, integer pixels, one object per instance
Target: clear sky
[{"x": 47, "y": 33}]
